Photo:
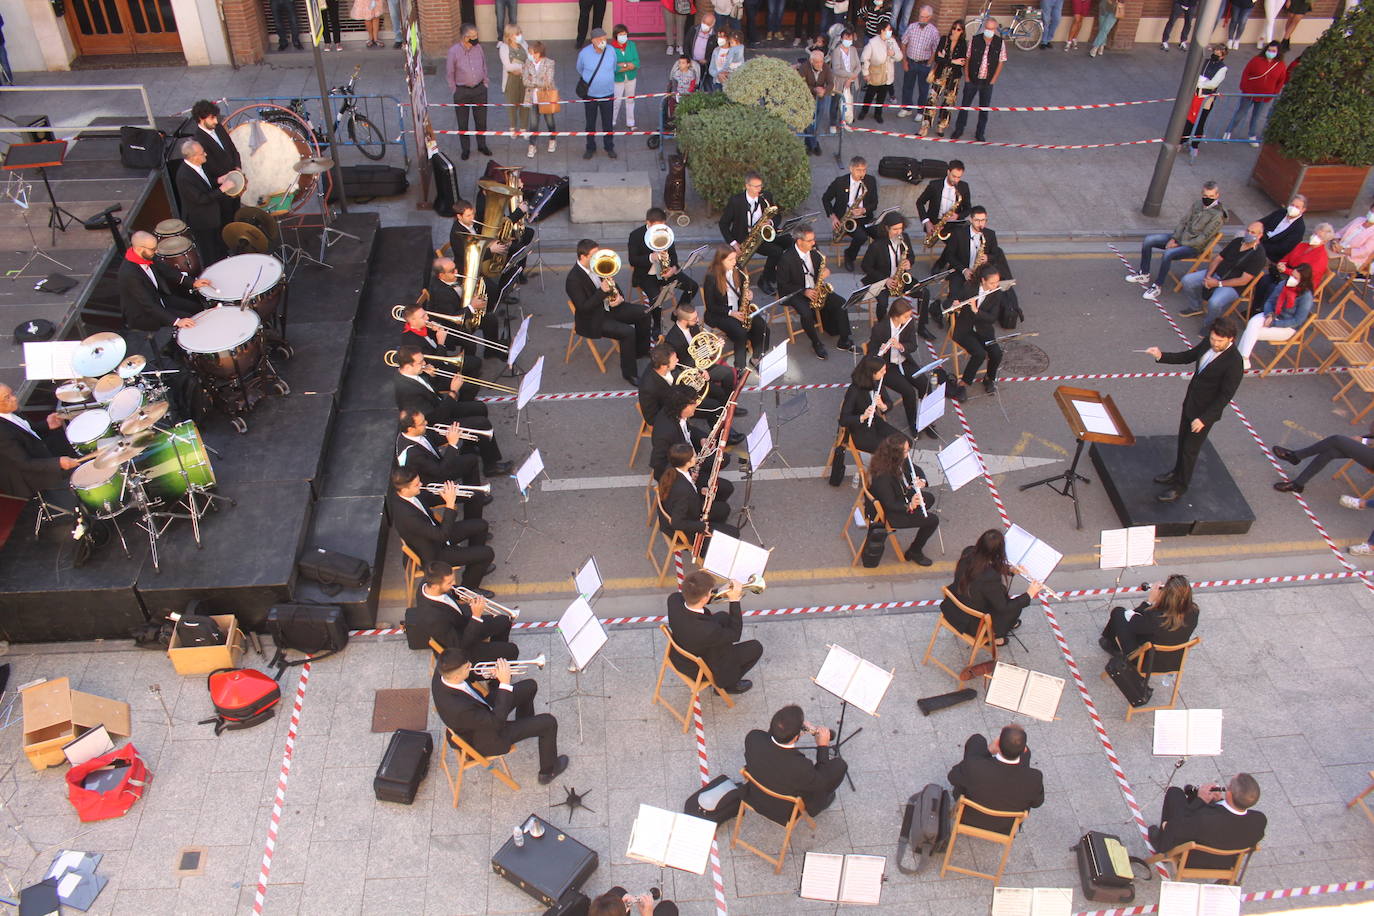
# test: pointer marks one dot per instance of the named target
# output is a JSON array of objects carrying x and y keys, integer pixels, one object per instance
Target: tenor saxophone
[
  {"x": 761, "y": 232},
  {"x": 900, "y": 279},
  {"x": 937, "y": 232},
  {"x": 746, "y": 299}
]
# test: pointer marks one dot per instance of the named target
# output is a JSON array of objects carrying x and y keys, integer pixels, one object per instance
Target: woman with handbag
[
  {"x": 513, "y": 57},
  {"x": 1108, "y": 12},
  {"x": 879, "y": 61},
  {"x": 541, "y": 94},
  {"x": 844, "y": 74},
  {"x": 1167, "y": 617}
]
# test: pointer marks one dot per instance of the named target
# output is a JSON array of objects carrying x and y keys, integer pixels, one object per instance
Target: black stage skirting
[{"x": 1213, "y": 503}]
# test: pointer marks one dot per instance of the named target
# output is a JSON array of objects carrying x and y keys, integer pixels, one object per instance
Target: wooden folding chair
[
  {"x": 703, "y": 679},
  {"x": 862, "y": 502},
  {"x": 1142, "y": 657},
  {"x": 1243, "y": 301},
  {"x": 1343, "y": 473},
  {"x": 798, "y": 811},
  {"x": 645, "y": 432},
  {"x": 465, "y": 758},
  {"x": 576, "y": 340},
  {"x": 1348, "y": 319},
  {"x": 1360, "y": 799},
  {"x": 414, "y": 571},
  {"x": 982, "y": 833},
  {"x": 1357, "y": 378},
  {"x": 1178, "y": 858},
  {"x": 435, "y": 650},
  {"x": 842, "y": 438},
  {"x": 1189, "y": 265},
  {"x": 981, "y": 641},
  {"x": 1290, "y": 349},
  {"x": 675, "y": 542},
  {"x": 950, "y": 350},
  {"x": 1355, "y": 274}
]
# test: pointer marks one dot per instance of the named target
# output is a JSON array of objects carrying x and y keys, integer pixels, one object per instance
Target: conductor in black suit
[
  {"x": 483, "y": 721},
  {"x": 449, "y": 620},
  {"x": 649, "y": 273},
  {"x": 203, "y": 203},
  {"x": 799, "y": 271},
  {"x": 772, "y": 758},
  {"x": 683, "y": 502},
  {"x": 153, "y": 298},
  {"x": 888, "y": 256},
  {"x": 1219, "y": 817},
  {"x": 221, "y": 155},
  {"x": 998, "y": 777},
  {"x": 599, "y": 313},
  {"x": 742, "y": 212},
  {"x": 1216, "y": 376},
  {"x": 714, "y": 637},
  {"x": 31, "y": 460},
  {"x": 941, "y": 195},
  {"x": 410, "y": 510},
  {"x": 855, "y": 193}
]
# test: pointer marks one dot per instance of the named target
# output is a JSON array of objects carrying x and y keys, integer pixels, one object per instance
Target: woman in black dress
[
  {"x": 1167, "y": 617},
  {"x": 981, "y": 578},
  {"x": 864, "y": 405}
]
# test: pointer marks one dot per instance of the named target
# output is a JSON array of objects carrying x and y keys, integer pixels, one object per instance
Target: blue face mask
[
  {"x": 1250, "y": 238},
  {"x": 1271, "y": 54}
]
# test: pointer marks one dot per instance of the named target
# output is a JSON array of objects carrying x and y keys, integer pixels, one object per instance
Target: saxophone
[
  {"x": 821, "y": 291},
  {"x": 900, "y": 279},
  {"x": 761, "y": 232},
  {"x": 937, "y": 232},
  {"x": 850, "y": 224},
  {"x": 746, "y": 299}
]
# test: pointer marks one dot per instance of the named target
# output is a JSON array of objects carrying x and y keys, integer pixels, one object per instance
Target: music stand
[
  {"x": 758, "y": 446},
  {"x": 583, "y": 636},
  {"x": 855, "y": 681},
  {"x": 525, "y": 475},
  {"x": 41, "y": 156},
  {"x": 529, "y": 387},
  {"x": 1092, "y": 417},
  {"x": 772, "y": 366},
  {"x": 1125, "y": 548},
  {"x": 517, "y": 346}
]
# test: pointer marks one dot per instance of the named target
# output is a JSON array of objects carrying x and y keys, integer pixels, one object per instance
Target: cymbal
[
  {"x": 313, "y": 165},
  {"x": 243, "y": 238},
  {"x": 108, "y": 386},
  {"x": 75, "y": 391},
  {"x": 132, "y": 366},
  {"x": 98, "y": 353},
  {"x": 118, "y": 452},
  {"x": 144, "y": 418},
  {"x": 263, "y": 220}
]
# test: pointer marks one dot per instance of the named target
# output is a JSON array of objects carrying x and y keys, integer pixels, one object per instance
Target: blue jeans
[
  {"x": 505, "y": 12},
  {"x": 1237, "y": 26},
  {"x": 817, "y": 123},
  {"x": 915, "y": 80},
  {"x": 284, "y": 11},
  {"x": 397, "y": 17},
  {"x": 1167, "y": 255},
  {"x": 775, "y": 8},
  {"x": 1104, "y": 28},
  {"x": 1051, "y": 11},
  {"x": 593, "y": 107},
  {"x": 901, "y": 14},
  {"x": 1217, "y": 302},
  {"x": 1257, "y": 109}
]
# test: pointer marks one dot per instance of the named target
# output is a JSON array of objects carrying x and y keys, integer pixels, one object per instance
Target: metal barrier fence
[{"x": 385, "y": 112}]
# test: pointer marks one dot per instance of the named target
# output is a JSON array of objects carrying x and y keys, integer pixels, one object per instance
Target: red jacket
[
  {"x": 1263, "y": 77},
  {"x": 671, "y": 7}
]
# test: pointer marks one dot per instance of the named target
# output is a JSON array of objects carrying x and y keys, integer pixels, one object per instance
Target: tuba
[
  {"x": 606, "y": 264},
  {"x": 496, "y": 223},
  {"x": 659, "y": 239},
  {"x": 761, "y": 232}
]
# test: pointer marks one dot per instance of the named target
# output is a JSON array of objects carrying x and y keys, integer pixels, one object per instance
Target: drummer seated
[
  {"x": 32, "y": 460},
  {"x": 153, "y": 298},
  {"x": 436, "y": 457}
]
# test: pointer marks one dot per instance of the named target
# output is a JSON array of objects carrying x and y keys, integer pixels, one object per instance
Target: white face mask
[
  {"x": 1294, "y": 213},
  {"x": 705, "y": 28},
  {"x": 848, "y": 42},
  {"x": 721, "y": 42},
  {"x": 1369, "y": 217},
  {"x": 1315, "y": 240},
  {"x": 1292, "y": 281},
  {"x": 988, "y": 33}
]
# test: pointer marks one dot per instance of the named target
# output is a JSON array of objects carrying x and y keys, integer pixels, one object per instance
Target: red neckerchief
[
  {"x": 135, "y": 258},
  {"x": 1287, "y": 302},
  {"x": 418, "y": 333}
]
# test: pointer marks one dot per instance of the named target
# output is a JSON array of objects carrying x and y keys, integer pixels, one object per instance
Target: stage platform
[
  {"x": 1213, "y": 503},
  {"x": 310, "y": 471}
]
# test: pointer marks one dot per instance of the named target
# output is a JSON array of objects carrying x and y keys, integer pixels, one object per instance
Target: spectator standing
[
  {"x": 724, "y": 18},
  {"x": 1183, "y": 8},
  {"x": 806, "y": 20},
  {"x": 844, "y": 72},
  {"x": 398, "y": 22},
  {"x": 986, "y": 55},
  {"x": 1107, "y": 14},
  {"x": 1260, "y": 83},
  {"x": 370, "y": 12},
  {"x": 590, "y": 15},
  {"x": 466, "y": 70},
  {"x": 728, "y": 55},
  {"x": 873, "y": 18},
  {"x": 677, "y": 14},
  {"x": 1240, "y": 14},
  {"x": 505, "y": 15},
  {"x": 626, "y": 72},
  {"x": 700, "y": 44},
  {"x": 818, "y": 79},
  {"x": 919, "y": 41},
  {"x": 596, "y": 65},
  {"x": 1081, "y": 10},
  {"x": 541, "y": 94},
  {"x": 901, "y": 15},
  {"x": 773, "y": 24},
  {"x": 514, "y": 56},
  {"x": 329, "y": 21},
  {"x": 283, "y": 11},
  {"x": 1209, "y": 79},
  {"x": 1051, "y": 11},
  {"x": 1297, "y": 9},
  {"x": 836, "y": 11},
  {"x": 880, "y": 69}
]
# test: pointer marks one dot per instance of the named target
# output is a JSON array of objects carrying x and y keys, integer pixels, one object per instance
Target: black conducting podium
[{"x": 1092, "y": 416}]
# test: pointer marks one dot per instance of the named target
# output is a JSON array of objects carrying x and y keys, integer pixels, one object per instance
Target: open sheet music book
[
  {"x": 959, "y": 462},
  {"x": 1094, "y": 417},
  {"x": 1030, "y": 693},
  {"x": 843, "y": 879},
  {"x": 1178, "y": 898},
  {"x": 672, "y": 839},
  {"x": 931, "y": 407},
  {"x": 1187, "y": 732},
  {"x": 731, "y": 558},
  {"x": 1128, "y": 547},
  {"x": 581, "y": 631},
  {"x": 1025, "y": 549},
  {"x": 858, "y": 682},
  {"x": 1032, "y": 901}
]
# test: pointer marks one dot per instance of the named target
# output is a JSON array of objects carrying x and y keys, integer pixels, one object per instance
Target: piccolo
[
  {"x": 463, "y": 491},
  {"x": 518, "y": 666},
  {"x": 463, "y": 432},
  {"x": 469, "y": 595}
]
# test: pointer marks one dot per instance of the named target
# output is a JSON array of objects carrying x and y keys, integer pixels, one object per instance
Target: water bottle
[{"x": 518, "y": 835}]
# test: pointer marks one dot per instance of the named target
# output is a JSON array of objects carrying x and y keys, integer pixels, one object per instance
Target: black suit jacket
[
  {"x": 456, "y": 234},
  {"x": 444, "y": 299},
  {"x": 429, "y": 619},
  {"x": 958, "y": 251},
  {"x": 473, "y": 721},
  {"x": 891, "y": 495},
  {"x": 589, "y": 302},
  {"x": 415, "y": 456},
  {"x": 792, "y": 275},
  {"x": 994, "y": 784},
  {"x": 1215, "y": 826},
  {"x": 411, "y": 394},
  {"x": 145, "y": 305},
  {"x": 638, "y": 252},
  {"x": 987, "y": 593},
  {"x": 835, "y": 200},
  {"x": 788, "y": 772},
  {"x": 667, "y": 433},
  {"x": 711, "y": 636},
  {"x": 653, "y": 392},
  {"x": 1276, "y": 247},
  {"x": 877, "y": 261},
  {"x": 734, "y": 220},
  {"x": 220, "y": 157},
  {"x": 201, "y": 205},
  {"x": 28, "y": 464},
  {"x": 1210, "y": 390},
  {"x": 1148, "y": 626},
  {"x": 882, "y": 333},
  {"x": 683, "y": 513},
  {"x": 426, "y": 342},
  {"x": 856, "y": 401},
  {"x": 427, "y": 538},
  {"x": 928, "y": 204}
]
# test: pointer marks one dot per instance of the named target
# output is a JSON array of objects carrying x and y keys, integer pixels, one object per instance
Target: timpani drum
[
  {"x": 87, "y": 428},
  {"x": 99, "y": 489},
  {"x": 260, "y": 279},
  {"x": 180, "y": 253},
  {"x": 170, "y": 228},
  {"x": 225, "y": 342},
  {"x": 175, "y": 461}
]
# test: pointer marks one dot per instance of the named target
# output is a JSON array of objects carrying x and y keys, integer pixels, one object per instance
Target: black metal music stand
[{"x": 42, "y": 156}]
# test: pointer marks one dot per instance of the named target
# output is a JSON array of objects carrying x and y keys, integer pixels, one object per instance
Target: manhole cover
[{"x": 1020, "y": 358}]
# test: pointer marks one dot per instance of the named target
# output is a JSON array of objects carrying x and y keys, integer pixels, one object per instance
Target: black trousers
[
  {"x": 983, "y": 90},
  {"x": 924, "y": 525},
  {"x": 858, "y": 239},
  {"x": 211, "y": 245},
  {"x": 1328, "y": 450},
  {"x": 686, "y": 287},
  {"x": 630, "y": 325},
  {"x": 527, "y": 724},
  {"x": 456, "y": 465},
  {"x": 756, "y": 338},
  {"x": 899, "y": 383},
  {"x": 590, "y": 15},
  {"x": 475, "y": 557},
  {"x": 1189, "y": 446},
  {"x": 771, "y": 251},
  {"x": 867, "y": 438},
  {"x": 969, "y": 338},
  {"x": 470, "y": 99},
  {"x": 493, "y": 639},
  {"x": 834, "y": 319}
]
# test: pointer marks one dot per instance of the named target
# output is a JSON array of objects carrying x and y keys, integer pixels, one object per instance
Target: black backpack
[
  {"x": 726, "y": 808},
  {"x": 926, "y": 827}
]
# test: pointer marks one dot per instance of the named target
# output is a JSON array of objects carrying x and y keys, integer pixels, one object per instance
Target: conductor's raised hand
[{"x": 1155, "y": 353}]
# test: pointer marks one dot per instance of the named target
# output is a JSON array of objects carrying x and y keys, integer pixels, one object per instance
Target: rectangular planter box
[{"x": 1327, "y": 187}]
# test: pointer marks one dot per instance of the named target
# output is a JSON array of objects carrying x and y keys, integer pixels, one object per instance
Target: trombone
[
  {"x": 471, "y": 435},
  {"x": 469, "y": 595},
  {"x": 453, "y": 324},
  {"x": 518, "y": 666},
  {"x": 389, "y": 357},
  {"x": 463, "y": 492}
]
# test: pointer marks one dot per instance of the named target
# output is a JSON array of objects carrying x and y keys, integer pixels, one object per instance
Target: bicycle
[
  {"x": 361, "y": 131},
  {"x": 1024, "y": 32}
]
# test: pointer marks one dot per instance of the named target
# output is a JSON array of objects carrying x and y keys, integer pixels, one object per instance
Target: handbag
[
  {"x": 548, "y": 101},
  {"x": 1133, "y": 685},
  {"x": 877, "y": 74},
  {"x": 585, "y": 86}
]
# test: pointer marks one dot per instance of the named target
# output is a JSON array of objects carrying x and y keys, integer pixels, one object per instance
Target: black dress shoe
[
  {"x": 930, "y": 432},
  {"x": 743, "y": 685},
  {"x": 1167, "y": 478},
  {"x": 1287, "y": 455},
  {"x": 990, "y": 385},
  {"x": 924, "y": 333},
  {"x": 735, "y": 438},
  {"x": 589, "y": 154},
  {"x": 1288, "y": 486},
  {"x": 467, "y": 154},
  {"x": 297, "y": 45},
  {"x": 1153, "y": 833},
  {"x": 498, "y": 468},
  {"x": 1170, "y": 495},
  {"x": 511, "y": 299},
  {"x": 485, "y": 592},
  {"x": 740, "y": 411},
  {"x": 483, "y": 150},
  {"x": 956, "y": 135},
  {"x": 980, "y": 138},
  {"x": 613, "y": 154},
  {"x": 559, "y": 766},
  {"x": 959, "y": 393},
  {"x": 847, "y": 345},
  {"x": 281, "y": 46},
  {"x": 848, "y": 263},
  {"x": 1107, "y": 646},
  {"x": 920, "y": 559},
  {"x": 821, "y": 351}
]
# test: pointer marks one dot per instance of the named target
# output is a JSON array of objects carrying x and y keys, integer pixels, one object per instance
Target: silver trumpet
[
  {"x": 472, "y": 435},
  {"x": 487, "y": 669},
  {"x": 463, "y": 492},
  {"x": 468, "y": 594}
]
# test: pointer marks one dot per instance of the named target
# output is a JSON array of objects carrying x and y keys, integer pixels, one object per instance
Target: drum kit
[{"x": 129, "y": 463}]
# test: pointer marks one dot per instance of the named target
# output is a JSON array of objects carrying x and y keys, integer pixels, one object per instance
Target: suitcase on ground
[
  {"x": 573, "y": 903},
  {"x": 445, "y": 183},
  {"x": 912, "y": 171},
  {"x": 548, "y": 867},
  {"x": 370, "y": 181},
  {"x": 726, "y": 806},
  {"x": 242, "y": 698},
  {"x": 675, "y": 183},
  {"x": 1104, "y": 868},
  {"x": 318, "y": 630},
  {"x": 333, "y": 570},
  {"x": 925, "y": 827},
  {"x": 141, "y": 147},
  {"x": 403, "y": 766}
]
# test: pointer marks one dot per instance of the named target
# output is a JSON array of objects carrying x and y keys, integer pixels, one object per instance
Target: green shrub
[
  {"x": 724, "y": 143},
  {"x": 770, "y": 84},
  {"x": 697, "y": 102},
  {"x": 1326, "y": 111}
]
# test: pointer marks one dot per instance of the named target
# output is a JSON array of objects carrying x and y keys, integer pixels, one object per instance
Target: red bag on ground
[{"x": 115, "y": 800}]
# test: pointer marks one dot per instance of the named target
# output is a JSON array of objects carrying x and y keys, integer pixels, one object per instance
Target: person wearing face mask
[
  {"x": 1284, "y": 228},
  {"x": 596, "y": 67},
  {"x": 466, "y": 71},
  {"x": 1285, "y": 310},
  {"x": 844, "y": 70},
  {"x": 700, "y": 42},
  {"x": 626, "y": 71},
  {"x": 874, "y": 18},
  {"x": 986, "y": 55},
  {"x": 1310, "y": 252},
  {"x": 1209, "y": 80},
  {"x": 513, "y": 56},
  {"x": 1203, "y": 220},
  {"x": 1356, "y": 241},
  {"x": 1260, "y": 83},
  {"x": 879, "y": 61},
  {"x": 919, "y": 41},
  {"x": 728, "y": 55},
  {"x": 1222, "y": 282}
]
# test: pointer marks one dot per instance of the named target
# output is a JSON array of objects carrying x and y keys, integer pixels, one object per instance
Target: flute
[
  {"x": 873, "y": 404},
  {"x": 919, "y": 497}
]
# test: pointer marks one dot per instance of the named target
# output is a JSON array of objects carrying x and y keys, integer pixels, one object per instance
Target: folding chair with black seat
[
  {"x": 703, "y": 679},
  {"x": 798, "y": 811},
  {"x": 1001, "y": 838},
  {"x": 1148, "y": 656},
  {"x": 981, "y": 641},
  {"x": 1179, "y": 856},
  {"x": 465, "y": 758}
]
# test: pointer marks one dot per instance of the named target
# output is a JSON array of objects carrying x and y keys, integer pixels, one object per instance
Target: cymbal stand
[{"x": 48, "y": 512}]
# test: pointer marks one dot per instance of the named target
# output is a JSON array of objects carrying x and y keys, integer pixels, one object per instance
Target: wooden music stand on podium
[{"x": 1093, "y": 417}]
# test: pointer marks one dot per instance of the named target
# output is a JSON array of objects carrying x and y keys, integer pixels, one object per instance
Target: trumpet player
[
  {"x": 652, "y": 270},
  {"x": 601, "y": 312},
  {"x": 680, "y": 498},
  {"x": 659, "y": 382},
  {"x": 742, "y": 211},
  {"x": 410, "y": 509},
  {"x": 440, "y": 614},
  {"x": 728, "y": 301},
  {"x": 888, "y": 258},
  {"x": 437, "y": 458},
  {"x": 687, "y": 327},
  {"x": 484, "y": 721},
  {"x": 975, "y": 328},
  {"x": 899, "y": 486},
  {"x": 801, "y": 271},
  {"x": 773, "y": 759},
  {"x": 712, "y": 636},
  {"x": 853, "y": 196},
  {"x": 446, "y": 297},
  {"x": 415, "y": 392}
]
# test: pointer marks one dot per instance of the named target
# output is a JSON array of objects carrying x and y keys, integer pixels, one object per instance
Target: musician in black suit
[
  {"x": 1284, "y": 228},
  {"x": 433, "y": 338},
  {"x": 856, "y": 194},
  {"x": 899, "y": 486},
  {"x": 941, "y": 195},
  {"x": 481, "y": 721},
  {"x": 203, "y": 203},
  {"x": 685, "y": 328},
  {"x": 649, "y": 273},
  {"x": 888, "y": 255},
  {"x": 671, "y": 427},
  {"x": 1216, "y": 376},
  {"x": 772, "y": 758},
  {"x": 682, "y": 498},
  {"x": 657, "y": 385},
  {"x": 893, "y": 340},
  {"x": 446, "y": 298},
  {"x": 31, "y": 460},
  {"x": 863, "y": 407},
  {"x": 998, "y": 777},
  {"x": 414, "y": 392},
  {"x": 800, "y": 270},
  {"x": 153, "y": 298},
  {"x": 725, "y": 290},
  {"x": 713, "y": 637},
  {"x": 598, "y": 312},
  {"x": 967, "y": 241},
  {"x": 744, "y": 210},
  {"x": 975, "y": 327},
  {"x": 221, "y": 155},
  {"x": 449, "y": 620},
  {"x": 981, "y": 578},
  {"x": 438, "y": 458},
  {"x": 1168, "y": 616},
  {"x": 409, "y": 507},
  {"x": 1217, "y": 816}
]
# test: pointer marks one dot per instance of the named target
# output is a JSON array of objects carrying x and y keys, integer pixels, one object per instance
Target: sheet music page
[
  {"x": 689, "y": 844},
  {"x": 50, "y": 359},
  {"x": 1040, "y": 560},
  {"x": 750, "y": 560},
  {"x": 837, "y": 671},
  {"x": 517, "y": 343},
  {"x": 1053, "y": 901},
  {"x": 1178, "y": 898},
  {"x": 1218, "y": 900},
  {"x": 529, "y": 385},
  {"x": 821, "y": 874},
  {"x": 575, "y": 617},
  {"x": 1171, "y": 733},
  {"x": 532, "y": 467},
  {"x": 1041, "y": 698},
  {"x": 931, "y": 407},
  {"x": 867, "y": 687},
  {"x": 1008, "y": 683},
  {"x": 863, "y": 879},
  {"x": 959, "y": 462},
  {"x": 1018, "y": 542},
  {"x": 1115, "y": 548},
  {"x": 1095, "y": 417},
  {"x": 773, "y": 365},
  {"x": 650, "y": 833},
  {"x": 587, "y": 580},
  {"x": 1012, "y": 901},
  {"x": 759, "y": 442},
  {"x": 1204, "y": 732},
  {"x": 859, "y": 518},
  {"x": 588, "y": 641},
  {"x": 1140, "y": 545}
]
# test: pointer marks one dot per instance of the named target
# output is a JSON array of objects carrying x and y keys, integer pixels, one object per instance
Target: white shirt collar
[
  {"x": 998, "y": 756},
  {"x": 421, "y": 380},
  {"x": 1283, "y": 224},
  {"x": 213, "y": 135},
  {"x": 787, "y": 747},
  {"x": 421, "y": 440},
  {"x": 201, "y": 172},
  {"x": 1229, "y": 807},
  {"x": 20, "y": 422},
  {"x": 415, "y": 501}
]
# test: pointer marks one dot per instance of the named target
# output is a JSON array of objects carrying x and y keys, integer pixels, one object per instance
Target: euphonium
[
  {"x": 761, "y": 232},
  {"x": 658, "y": 239},
  {"x": 606, "y": 264},
  {"x": 474, "y": 250},
  {"x": 937, "y": 232}
]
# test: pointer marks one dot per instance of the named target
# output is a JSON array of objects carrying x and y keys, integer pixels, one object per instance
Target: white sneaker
[
  {"x": 1226, "y": 136},
  {"x": 1137, "y": 278},
  {"x": 1163, "y": 46},
  {"x": 1351, "y": 502},
  {"x": 670, "y": 51},
  {"x": 553, "y": 146},
  {"x": 1183, "y": 45},
  {"x": 1254, "y": 141},
  {"x": 1360, "y": 550},
  {"x": 529, "y": 153},
  {"x": 1152, "y": 293},
  {"x": 1245, "y": 362},
  {"x": 903, "y": 113}
]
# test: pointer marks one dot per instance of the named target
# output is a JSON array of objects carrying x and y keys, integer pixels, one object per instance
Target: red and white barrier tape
[
  {"x": 704, "y": 771},
  {"x": 539, "y": 134},
  {"x": 1280, "y": 894},
  {"x": 269, "y": 848},
  {"x": 1088, "y": 107},
  {"x": 1054, "y": 146},
  {"x": 641, "y": 95}
]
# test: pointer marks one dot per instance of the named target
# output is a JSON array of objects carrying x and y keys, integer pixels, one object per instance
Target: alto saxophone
[
  {"x": 900, "y": 279},
  {"x": 761, "y": 232},
  {"x": 821, "y": 292},
  {"x": 850, "y": 224},
  {"x": 746, "y": 299},
  {"x": 937, "y": 232}
]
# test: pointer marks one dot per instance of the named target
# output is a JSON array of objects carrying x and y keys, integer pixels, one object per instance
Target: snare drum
[
  {"x": 87, "y": 428},
  {"x": 99, "y": 489},
  {"x": 125, "y": 404},
  {"x": 259, "y": 276},
  {"x": 175, "y": 461},
  {"x": 180, "y": 253},
  {"x": 170, "y": 228},
  {"x": 225, "y": 342}
]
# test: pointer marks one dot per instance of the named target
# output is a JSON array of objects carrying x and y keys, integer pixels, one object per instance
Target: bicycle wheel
[
  {"x": 974, "y": 25},
  {"x": 1026, "y": 34},
  {"x": 294, "y": 127},
  {"x": 368, "y": 138}
]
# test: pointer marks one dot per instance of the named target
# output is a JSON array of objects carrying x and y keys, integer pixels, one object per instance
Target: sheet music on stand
[
  {"x": 856, "y": 681},
  {"x": 931, "y": 407},
  {"x": 587, "y": 579},
  {"x": 1095, "y": 417},
  {"x": 531, "y": 468},
  {"x": 671, "y": 839},
  {"x": 1025, "y": 549},
  {"x": 1031, "y": 693},
  {"x": 529, "y": 385},
  {"x": 694, "y": 257},
  {"x": 959, "y": 462},
  {"x": 759, "y": 442},
  {"x": 50, "y": 360},
  {"x": 518, "y": 341},
  {"x": 850, "y": 879},
  {"x": 1180, "y": 898},
  {"x": 734, "y": 559},
  {"x": 1187, "y": 732},
  {"x": 773, "y": 365},
  {"x": 1032, "y": 901},
  {"x": 582, "y": 632},
  {"x": 1127, "y": 547}
]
